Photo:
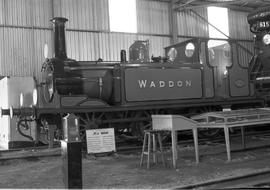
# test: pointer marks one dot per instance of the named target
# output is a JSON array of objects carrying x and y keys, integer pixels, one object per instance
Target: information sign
[{"x": 100, "y": 140}]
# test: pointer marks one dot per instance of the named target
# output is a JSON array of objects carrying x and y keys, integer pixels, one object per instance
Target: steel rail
[{"x": 250, "y": 180}]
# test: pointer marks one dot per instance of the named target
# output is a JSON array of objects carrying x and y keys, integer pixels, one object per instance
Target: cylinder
[
  {"x": 59, "y": 37},
  {"x": 123, "y": 55}
]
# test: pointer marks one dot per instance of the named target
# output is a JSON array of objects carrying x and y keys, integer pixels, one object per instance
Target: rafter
[
  {"x": 239, "y": 5},
  {"x": 200, "y": 4}
]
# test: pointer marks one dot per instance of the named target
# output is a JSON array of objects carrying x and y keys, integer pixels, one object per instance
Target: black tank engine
[
  {"x": 195, "y": 76},
  {"x": 193, "y": 70}
]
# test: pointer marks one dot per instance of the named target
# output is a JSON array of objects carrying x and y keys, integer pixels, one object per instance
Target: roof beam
[
  {"x": 230, "y": 5},
  {"x": 182, "y": 4},
  {"x": 240, "y": 8}
]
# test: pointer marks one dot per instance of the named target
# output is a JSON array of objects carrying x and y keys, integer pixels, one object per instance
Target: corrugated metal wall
[
  {"x": 17, "y": 57},
  {"x": 153, "y": 17},
  {"x": 25, "y": 28},
  {"x": 189, "y": 24},
  {"x": 239, "y": 29},
  {"x": 238, "y": 25},
  {"x": 84, "y": 14},
  {"x": 22, "y": 36},
  {"x": 243, "y": 56}
]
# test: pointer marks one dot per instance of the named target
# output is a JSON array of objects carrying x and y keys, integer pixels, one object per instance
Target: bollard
[{"x": 71, "y": 153}]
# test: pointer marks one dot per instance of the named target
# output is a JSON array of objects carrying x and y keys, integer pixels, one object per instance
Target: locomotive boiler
[{"x": 195, "y": 76}]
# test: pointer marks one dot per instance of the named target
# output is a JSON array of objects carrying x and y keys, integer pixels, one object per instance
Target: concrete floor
[{"x": 123, "y": 171}]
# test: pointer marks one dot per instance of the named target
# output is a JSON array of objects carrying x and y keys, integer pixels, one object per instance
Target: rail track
[
  {"x": 43, "y": 151},
  {"x": 255, "y": 180}
]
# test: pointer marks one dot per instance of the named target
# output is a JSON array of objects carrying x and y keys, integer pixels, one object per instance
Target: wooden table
[
  {"x": 230, "y": 119},
  {"x": 175, "y": 123}
]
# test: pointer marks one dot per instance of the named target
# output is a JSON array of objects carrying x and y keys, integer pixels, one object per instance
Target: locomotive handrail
[
  {"x": 94, "y": 67},
  {"x": 89, "y": 79},
  {"x": 160, "y": 65},
  {"x": 136, "y": 64},
  {"x": 96, "y": 62},
  {"x": 144, "y": 64}
]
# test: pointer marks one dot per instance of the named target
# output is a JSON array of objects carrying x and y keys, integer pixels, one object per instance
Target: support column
[
  {"x": 227, "y": 140},
  {"x": 196, "y": 147},
  {"x": 71, "y": 153},
  {"x": 173, "y": 23},
  {"x": 174, "y": 148}
]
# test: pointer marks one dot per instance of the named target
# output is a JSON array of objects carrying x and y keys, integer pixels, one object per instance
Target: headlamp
[{"x": 266, "y": 39}]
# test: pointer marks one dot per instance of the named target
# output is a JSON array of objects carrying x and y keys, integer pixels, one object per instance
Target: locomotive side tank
[{"x": 148, "y": 84}]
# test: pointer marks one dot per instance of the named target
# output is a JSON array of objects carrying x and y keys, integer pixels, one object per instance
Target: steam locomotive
[
  {"x": 259, "y": 22},
  {"x": 195, "y": 76}
]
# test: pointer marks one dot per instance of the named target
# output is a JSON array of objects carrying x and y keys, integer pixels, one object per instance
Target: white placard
[{"x": 100, "y": 140}]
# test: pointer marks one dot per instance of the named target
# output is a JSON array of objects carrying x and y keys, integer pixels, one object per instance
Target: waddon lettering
[{"x": 162, "y": 84}]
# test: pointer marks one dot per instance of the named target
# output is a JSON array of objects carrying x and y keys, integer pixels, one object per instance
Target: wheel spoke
[
  {"x": 83, "y": 125},
  {"x": 87, "y": 117},
  {"x": 101, "y": 115},
  {"x": 83, "y": 120}
]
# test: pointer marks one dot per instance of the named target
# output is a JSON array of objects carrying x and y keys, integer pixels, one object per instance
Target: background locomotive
[
  {"x": 196, "y": 76},
  {"x": 259, "y": 67}
]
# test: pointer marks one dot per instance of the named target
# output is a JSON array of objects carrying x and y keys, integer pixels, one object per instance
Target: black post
[
  {"x": 71, "y": 153},
  {"x": 59, "y": 37}
]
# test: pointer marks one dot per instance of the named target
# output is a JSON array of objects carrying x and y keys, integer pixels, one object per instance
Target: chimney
[{"x": 59, "y": 37}]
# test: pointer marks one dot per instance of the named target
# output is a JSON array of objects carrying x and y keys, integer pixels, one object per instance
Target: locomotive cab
[{"x": 224, "y": 75}]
